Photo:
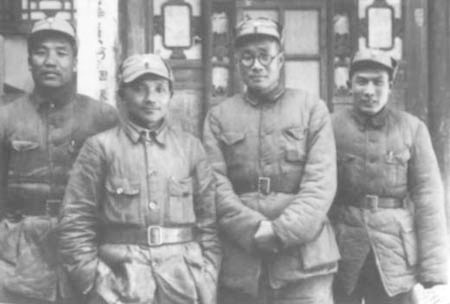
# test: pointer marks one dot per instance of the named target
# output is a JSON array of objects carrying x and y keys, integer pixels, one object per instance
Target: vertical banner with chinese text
[{"x": 97, "y": 27}]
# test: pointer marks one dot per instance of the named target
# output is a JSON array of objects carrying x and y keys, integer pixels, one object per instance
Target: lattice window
[
  {"x": 38, "y": 9},
  {"x": 16, "y": 16}
]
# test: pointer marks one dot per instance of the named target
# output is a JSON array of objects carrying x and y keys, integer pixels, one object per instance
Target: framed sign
[
  {"x": 177, "y": 25},
  {"x": 380, "y": 27}
]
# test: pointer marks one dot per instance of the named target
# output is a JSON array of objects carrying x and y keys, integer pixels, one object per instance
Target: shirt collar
[
  {"x": 137, "y": 133},
  {"x": 255, "y": 98},
  {"x": 376, "y": 121}
]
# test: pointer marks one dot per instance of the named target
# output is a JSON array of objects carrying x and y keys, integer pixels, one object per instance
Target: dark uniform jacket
[
  {"x": 389, "y": 200},
  {"x": 285, "y": 141},
  {"x": 39, "y": 141},
  {"x": 124, "y": 178}
]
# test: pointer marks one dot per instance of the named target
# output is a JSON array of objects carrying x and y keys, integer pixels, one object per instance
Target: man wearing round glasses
[{"x": 273, "y": 153}]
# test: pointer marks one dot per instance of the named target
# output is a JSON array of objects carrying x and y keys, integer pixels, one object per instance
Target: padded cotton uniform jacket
[
  {"x": 389, "y": 157},
  {"x": 39, "y": 141},
  {"x": 124, "y": 179},
  {"x": 288, "y": 138}
]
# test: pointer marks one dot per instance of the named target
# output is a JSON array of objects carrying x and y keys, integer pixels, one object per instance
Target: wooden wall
[{"x": 439, "y": 79}]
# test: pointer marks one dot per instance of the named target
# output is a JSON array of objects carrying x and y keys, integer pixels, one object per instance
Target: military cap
[
  {"x": 53, "y": 24},
  {"x": 373, "y": 57},
  {"x": 258, "y": 26},
  {"x": 140, "y": 64}
]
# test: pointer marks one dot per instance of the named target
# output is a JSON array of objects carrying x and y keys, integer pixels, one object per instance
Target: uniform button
[
  {"x": 119, "y": 190},
  {"x": 52, "y": 105},
  {"x": 152, "y": 205}
]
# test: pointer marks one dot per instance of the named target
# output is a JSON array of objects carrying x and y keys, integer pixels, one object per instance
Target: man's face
[
  {"x": 52, "y": 61},
  {"x": 260, "y": 63},
  {"x": 146, "y": 100},
  {"x": 370, "y": 88}
]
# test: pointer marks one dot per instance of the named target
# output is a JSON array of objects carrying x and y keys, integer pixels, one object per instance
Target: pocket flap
[
  {"x": 119, "y": 186},
  {"x": 24, "y": 145},
  {"x": 181, "y": 187},
  {"x": 345, "y": 157},
  {"x": 297, "y": 133},
  {"x": 294, "y": 156},
  {"x": 396, "y": 157},
  {"x": 230, "y": 138}
]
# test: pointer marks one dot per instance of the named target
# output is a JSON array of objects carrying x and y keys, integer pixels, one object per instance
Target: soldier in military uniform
[
  {"x": 40, "y": 135},
  {"x": 273, "y": 153},
  {"x": 139, "y": 218},
  {"x": 389, "y": 212}
]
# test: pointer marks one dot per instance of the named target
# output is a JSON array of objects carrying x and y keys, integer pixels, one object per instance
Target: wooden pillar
[
  {"x": 439, "y": 107},
  {"x": 416, "y": 55},
  {"x": 2, "y": 64},
  {"x": 134, "y": 26}
]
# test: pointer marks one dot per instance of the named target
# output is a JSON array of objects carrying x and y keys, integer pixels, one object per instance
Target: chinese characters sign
[{"x": 98, "y": 36}]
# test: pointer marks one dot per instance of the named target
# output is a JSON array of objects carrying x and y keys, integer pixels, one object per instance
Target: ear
[
  {"x": 281, "y": 58},
  {"x": 75, "y": 64}
]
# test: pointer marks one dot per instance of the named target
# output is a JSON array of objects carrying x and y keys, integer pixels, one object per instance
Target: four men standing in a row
[{"x": 138, "y": 220}]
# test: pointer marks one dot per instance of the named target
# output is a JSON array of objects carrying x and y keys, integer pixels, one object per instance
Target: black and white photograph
[{"x": 224, "y": 152}]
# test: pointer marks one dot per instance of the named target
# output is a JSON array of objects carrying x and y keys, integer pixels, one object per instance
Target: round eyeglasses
[{"x": 248, "y": 59}]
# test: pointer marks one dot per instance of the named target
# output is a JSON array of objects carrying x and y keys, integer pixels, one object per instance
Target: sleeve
[
  {"x": 235, "y": 219},
  {"x": 78, "y": 218},
  {"x": 303, "y": 219},
  {"x": 205, "y": 210},
  {"x": 426, "y": 192}
]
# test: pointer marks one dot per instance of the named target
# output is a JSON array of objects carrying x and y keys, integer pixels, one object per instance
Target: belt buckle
[
  {"x": 264, "y": 185},
  {"x": 52, "y": 207},
  {"x": 371, "y": 202},
  {"x": 154, "y": 236}
]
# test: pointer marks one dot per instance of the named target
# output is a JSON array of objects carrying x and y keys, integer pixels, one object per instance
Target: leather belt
[
  {"x": 147, "y": 236},
  {"x": 374, "y": 202},
  {"x": 266, "y": 185}
]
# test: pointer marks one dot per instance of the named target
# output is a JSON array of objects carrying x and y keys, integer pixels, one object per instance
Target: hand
[{"x": 266, "y": 239}]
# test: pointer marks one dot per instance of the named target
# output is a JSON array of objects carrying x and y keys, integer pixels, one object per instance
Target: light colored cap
[
  {"x": 258, "y": 26},
  {"x": 54, "y": 24},
  {"x": 372, "y": 56},
  {"x": 138, "y": 65}
]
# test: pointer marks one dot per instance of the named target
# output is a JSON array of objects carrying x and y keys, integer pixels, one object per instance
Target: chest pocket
[
  {"x": 23, "y": 157},
  {"x": 294, "y": 144},
  {"x": 122, "y": 200},
  {"x": 349, "y": 171},
  {"x": 396, "y": 166},
  {"x": 181, "y": 205},
  {"x": 233, "y": 147}
]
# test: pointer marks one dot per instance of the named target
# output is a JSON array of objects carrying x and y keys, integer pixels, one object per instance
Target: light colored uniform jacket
[
  {"x": 389, "y": 157},
  {"x": 288, "y": 139},
  {"x": 124, "y": 179}
]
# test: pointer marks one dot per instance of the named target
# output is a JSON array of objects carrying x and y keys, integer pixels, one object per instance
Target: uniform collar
[
  {"x": 376, "y": 121},
  {"x": 53, "y": 99},
  {"x": 255, "y": 98},
  {"x": 137, "y": 133}
]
